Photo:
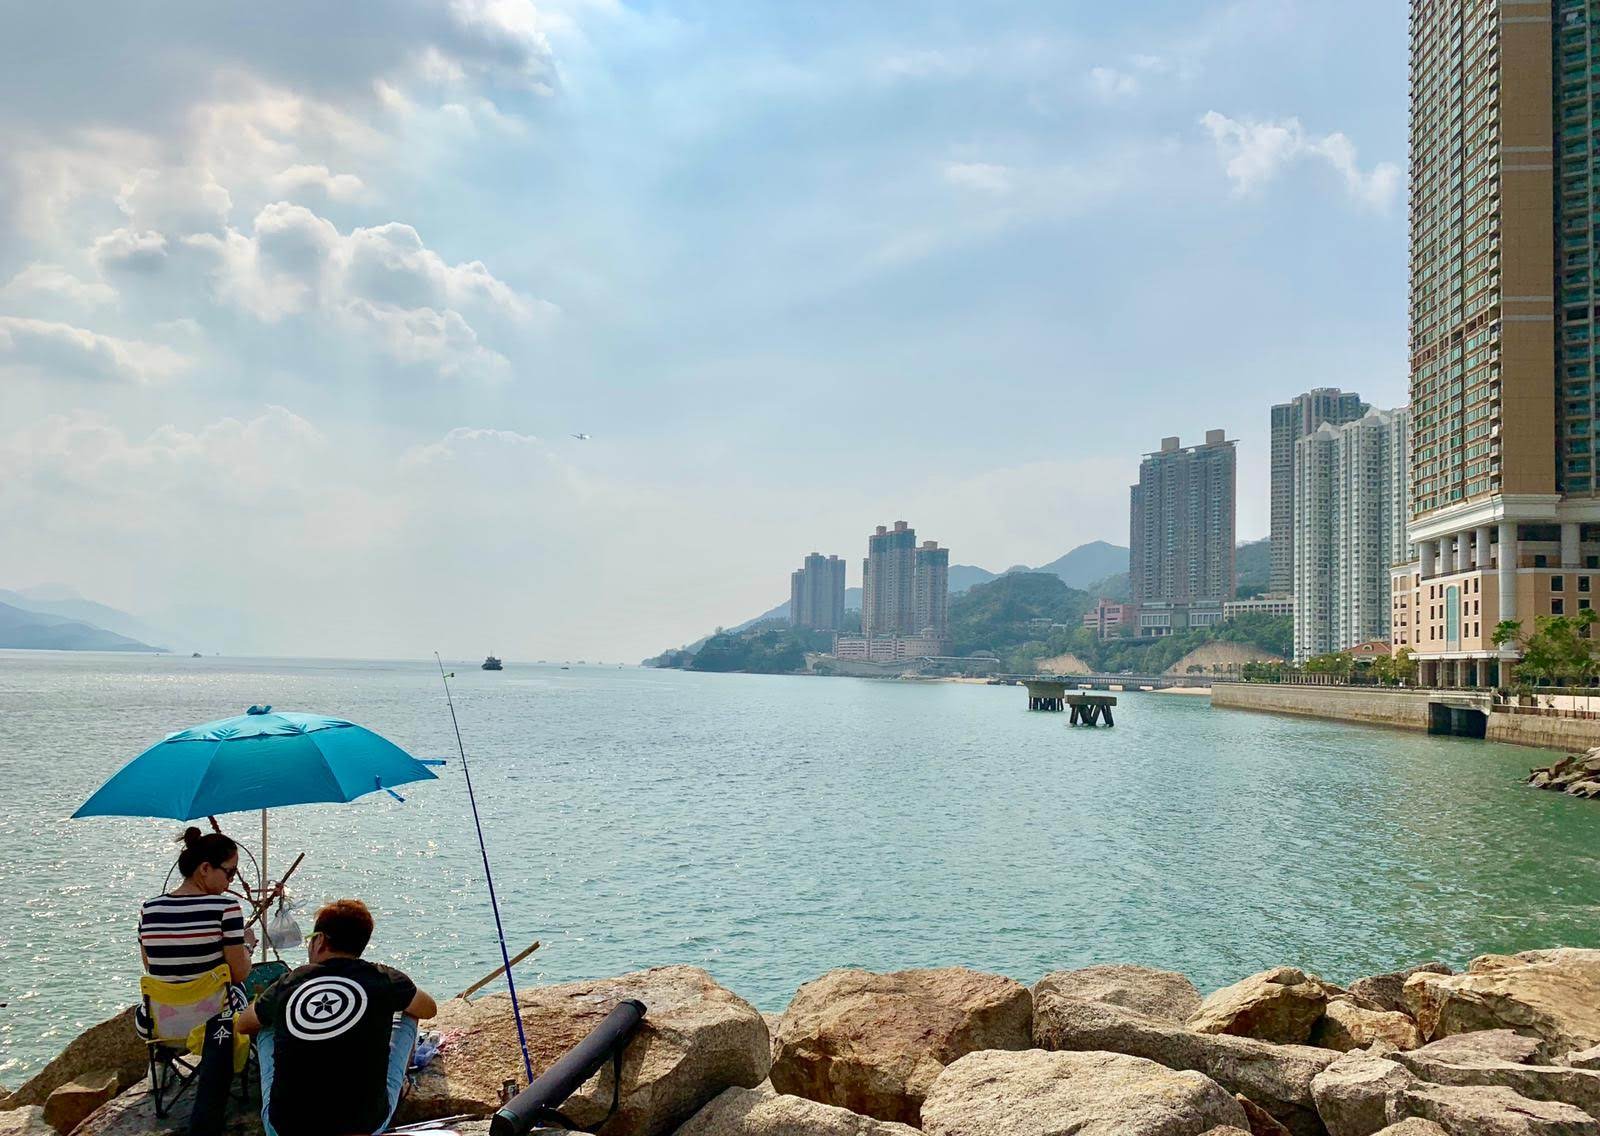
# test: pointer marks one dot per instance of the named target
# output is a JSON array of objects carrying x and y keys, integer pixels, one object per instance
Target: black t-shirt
[{"x": 331, "y": 1024}]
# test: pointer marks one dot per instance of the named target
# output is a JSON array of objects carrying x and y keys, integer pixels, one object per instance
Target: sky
[{"x": 300, "y": 304}]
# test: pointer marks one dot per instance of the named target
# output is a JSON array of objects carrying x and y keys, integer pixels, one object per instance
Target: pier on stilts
[
  {"x": 1087, "y": 709},
  {"x": 1091, "y": 709}
]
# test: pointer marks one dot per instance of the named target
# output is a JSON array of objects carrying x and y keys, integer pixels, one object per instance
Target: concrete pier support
[
  {"x": 1570, "y": 556},
  {"x": 1483, "y": 546}
]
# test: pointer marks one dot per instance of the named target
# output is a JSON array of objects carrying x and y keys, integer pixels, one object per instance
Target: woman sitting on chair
[{"x": 196, "y": 927}]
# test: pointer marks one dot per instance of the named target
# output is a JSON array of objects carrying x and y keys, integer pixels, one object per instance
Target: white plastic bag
[{"x": 282, "y": 930}]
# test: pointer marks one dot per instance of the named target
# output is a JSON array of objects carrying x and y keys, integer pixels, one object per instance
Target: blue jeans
[{"x": 401, "y": 1043}]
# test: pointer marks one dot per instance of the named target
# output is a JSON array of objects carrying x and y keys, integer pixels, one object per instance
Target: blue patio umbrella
[{"x": 259, "y": 760}]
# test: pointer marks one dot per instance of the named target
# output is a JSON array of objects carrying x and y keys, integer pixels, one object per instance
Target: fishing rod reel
[{"x": 537, "y": 1108}]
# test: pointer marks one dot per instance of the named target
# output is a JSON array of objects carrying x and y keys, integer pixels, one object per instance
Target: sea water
[{"x": 770, "y": 829}]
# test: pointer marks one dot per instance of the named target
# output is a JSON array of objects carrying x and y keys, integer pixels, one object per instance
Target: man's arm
[
  {"x": 422, "y": 1006},
  {"x": 246, "y": 1022}
]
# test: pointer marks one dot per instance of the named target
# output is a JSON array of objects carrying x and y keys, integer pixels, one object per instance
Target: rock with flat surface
[
  {"x": 70, "y": 1104},
  {"x": 1554, "y": 998},
  {"x": 1354, "y": 1094},
  {"x": 1387, "y": 991},
  {"x": 1227, "y": 1130},
  {"x": 1158, "y": 993},
  {"x": 1280, "y": 1005},
  {"x": 25, "y": 1121},
  {"x": 697, "y": 1040},
  {"x": 1034, "y": 1093},
  {"x": 1464, "y": 1066},
  {"x": 134, "y": 1114},
  {"x": 111, "y": 1046},
  {"x": 1498, "y": 1045},
  {"x": 875, "y": 1043},
  {"x": 1414, "y": 1127},
  {"x": 1583, "y": 1058},
  {"x": 1345, "y": 1026},
  {"x": 1492, "y": 1111},
  {"x": 1276, "y": 1077},
  {"x": 764, "y": 1112}
]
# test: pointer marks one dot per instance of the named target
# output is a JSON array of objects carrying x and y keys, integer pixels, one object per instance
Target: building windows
[
  {"x": 1558, "y": 606},
  {"x": 1583, "y": 583},
  {"x": 1558, "y": 583}
]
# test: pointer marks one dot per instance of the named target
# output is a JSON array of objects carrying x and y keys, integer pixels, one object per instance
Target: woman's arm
[{"x": 238, "y": 959}]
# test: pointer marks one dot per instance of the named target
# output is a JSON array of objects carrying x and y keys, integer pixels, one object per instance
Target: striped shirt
[{"x": 183, "y": 935}]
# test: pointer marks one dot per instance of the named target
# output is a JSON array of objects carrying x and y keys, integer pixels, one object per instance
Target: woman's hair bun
[{"x": 189, "y": 837}]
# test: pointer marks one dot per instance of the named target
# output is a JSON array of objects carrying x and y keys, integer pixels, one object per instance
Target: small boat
[
  {"x": 196, "y": 655},
  {"x": 493, "y": 664}
]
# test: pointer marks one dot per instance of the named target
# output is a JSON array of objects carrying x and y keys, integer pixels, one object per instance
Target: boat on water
[{"x": 493, "y": 664}]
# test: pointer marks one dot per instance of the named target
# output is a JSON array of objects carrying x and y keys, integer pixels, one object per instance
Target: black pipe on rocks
[{"x": 540, "y": 1102}]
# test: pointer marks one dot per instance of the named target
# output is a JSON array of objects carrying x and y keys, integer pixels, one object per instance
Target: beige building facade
[{"x": 1505, "y": 524}]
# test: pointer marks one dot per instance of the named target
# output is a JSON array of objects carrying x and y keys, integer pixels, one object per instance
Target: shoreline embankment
[
  {"x": 1451, "y": 712},
  {"x": 1509, "y": 1047}
]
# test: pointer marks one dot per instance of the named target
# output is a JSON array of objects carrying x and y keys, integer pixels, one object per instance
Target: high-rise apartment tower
[
  {"x": 816, "y": 593},
  {"x": 1182, "y": 535},
  {"x": 1503, "y": 316},
  {"x": 1352, "y": 502},
  {"x": 904, "y": 586},
  {"x": 1292, "y": 421}
]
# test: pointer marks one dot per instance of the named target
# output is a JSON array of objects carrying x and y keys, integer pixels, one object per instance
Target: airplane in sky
[{"x": 581, "y": 437}]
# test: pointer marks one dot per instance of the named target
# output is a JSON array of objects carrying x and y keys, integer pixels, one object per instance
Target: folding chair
[{"x": 177, "y": 1013}]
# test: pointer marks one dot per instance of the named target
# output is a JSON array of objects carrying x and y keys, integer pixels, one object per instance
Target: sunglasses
[{"x": 232, "y": 873}]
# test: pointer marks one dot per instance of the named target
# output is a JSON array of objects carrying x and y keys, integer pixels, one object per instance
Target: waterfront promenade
[{"x": 1552, "y": 721}]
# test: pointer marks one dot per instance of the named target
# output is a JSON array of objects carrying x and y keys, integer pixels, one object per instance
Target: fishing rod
[{"x": 494, "y": 904}]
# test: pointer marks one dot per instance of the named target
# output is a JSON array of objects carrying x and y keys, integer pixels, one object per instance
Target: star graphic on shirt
[{"x": 322, "y": 1005}]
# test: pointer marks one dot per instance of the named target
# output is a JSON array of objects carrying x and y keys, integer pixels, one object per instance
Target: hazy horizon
[{"x": 298, "y": 314}]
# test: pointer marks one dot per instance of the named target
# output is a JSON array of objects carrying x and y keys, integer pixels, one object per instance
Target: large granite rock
[
  {"x": 1034, "y": 1093},
  {"x": 697, "y": 1040},
  {"x": 1158, "y": 993},
  {"x": 71, "y": 1103},
  {"x": 1355, "y": 1093},
  {"x": 1360, "y": 1093},
  {"x": 109, "y": 1047},
  {"x": 25, "y": 1121},
  {"x": 875, "y": 1043},
  {"x": 134, "y": 1114},
  {"x": 1387, "y": 991},
  {"x": 763, "y": 1112},
  {"x": 1492, "y": 1111},
  {"x": 1280, "y": 1005},
  {"x": 1552, "y": 996},
  {"x": 1345, "y": 1026},
  {"x": 1276, "y": 1077},
  {"x": 1497, "y": 1045},
  {"x": 1414, "y": 1127},
  {"x": 1583, "y": 1058},
  {"x": 1443, "y": 1064}
]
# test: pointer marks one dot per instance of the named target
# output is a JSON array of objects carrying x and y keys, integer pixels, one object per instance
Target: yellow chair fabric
[{"x": 179, "y": 1010}]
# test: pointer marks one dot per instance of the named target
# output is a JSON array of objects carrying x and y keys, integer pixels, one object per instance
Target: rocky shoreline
[
  {"x": 1577, "y": 775},
  {"x": 1510, "y": 1047}
]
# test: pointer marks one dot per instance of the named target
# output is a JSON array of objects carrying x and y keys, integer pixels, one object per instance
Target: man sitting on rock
[{"x": 333, "y": 1054}]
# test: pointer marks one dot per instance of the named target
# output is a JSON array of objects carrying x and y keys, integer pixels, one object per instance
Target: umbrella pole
[{"x": 263, "y": 880}]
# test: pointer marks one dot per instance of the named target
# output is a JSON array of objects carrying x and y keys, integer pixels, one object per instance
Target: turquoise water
[{"x": 772, "y": 828}]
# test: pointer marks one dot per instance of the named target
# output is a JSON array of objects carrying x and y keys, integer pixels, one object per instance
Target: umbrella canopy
[{"x": 259, "y": 760}]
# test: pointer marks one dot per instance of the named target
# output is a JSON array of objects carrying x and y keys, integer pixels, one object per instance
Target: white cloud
[
  {"x": 175, "y": 200},
  {"x": 53, "y": 281},
  {"x": 125, "y": 250},
  {"x": 1256, "y": 152},
  {"x": 442, "y": 341},
  {"x": 983, "y": 176},
  {"x": 298, "y": 179},
  {"x": 502, "y": 39},
  {"x": 44, "y": 348}
]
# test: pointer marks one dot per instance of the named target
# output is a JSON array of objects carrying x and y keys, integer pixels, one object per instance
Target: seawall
[{"x": 1406, "y": 710}]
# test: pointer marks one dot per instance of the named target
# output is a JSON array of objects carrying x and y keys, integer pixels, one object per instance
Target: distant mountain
[
  {"x": 965, "y": 576},
  {"x": 63, "y": 602},
  {"x": 1087, "y": 564},
  {"x": 38, "y": 631},
  {"x": 1253, "y": 567}
]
